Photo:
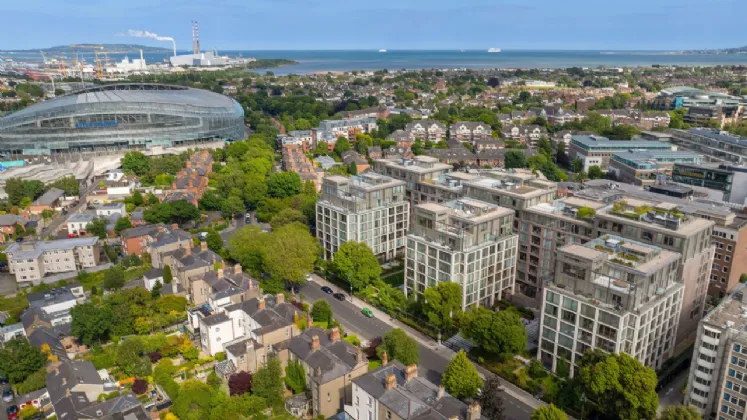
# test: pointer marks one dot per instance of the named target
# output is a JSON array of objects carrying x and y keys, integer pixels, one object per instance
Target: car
[
  {"x": 309, "y": 278},
  {"x": 327, "y": 290},
  {"x": 339, "y": 296},
  {"x": 367, "y": 312},
  {"x": 296, "y": 289},
  {"x": 12, "y": 412},
  {"x": 7, "y": 394}
]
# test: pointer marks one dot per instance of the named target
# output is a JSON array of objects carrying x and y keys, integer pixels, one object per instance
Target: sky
[{"x": 393, "y": 24}]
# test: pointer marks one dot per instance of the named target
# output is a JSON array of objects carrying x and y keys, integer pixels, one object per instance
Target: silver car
[{"x": 7, "y": 394}]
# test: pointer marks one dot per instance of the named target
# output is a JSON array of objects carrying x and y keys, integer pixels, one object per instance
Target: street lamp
[{"x": 351, "y": 292}]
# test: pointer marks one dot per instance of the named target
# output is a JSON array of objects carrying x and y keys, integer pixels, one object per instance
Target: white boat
[
  {"x": 382, "y": 50},
  {"x": 494, "y": 50}
]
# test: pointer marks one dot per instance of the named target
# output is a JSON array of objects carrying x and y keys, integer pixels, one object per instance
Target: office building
[
  {"x": 597, "y": 150},
  {"x": 612, "y": 294},
  {"x": 643, "y": 167},
  {"x": 717, "y": 144},
  {"x": 467, "y": 241},
  {"x": 705, "y": 176},
  {"x": 31, "y": 261},
  {"x": 717, "y": 383},
  {"x": 369, "y": 208}
]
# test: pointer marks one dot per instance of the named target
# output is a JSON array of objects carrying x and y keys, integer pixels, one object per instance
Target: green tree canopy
[
  {"x": 193, "y": 400},
  {"x": 548, "y": 412},
  {"x": 356, "y": 263},
  {"x": 122, "y": 224},
  {"x": 496, "y": 332},
  {"x": 290, "y": 253},
  {"x": 19, "y": 360},
  {"x": 442, "y": 304},
  {"x": 91, "y": 324},
  {"x": 287, "y": 216},
  {"x": 113, "y": 278},
  {"x": 515, "y": 159},
  {"x": 321, "y": 311},
  {"x": 248, "y": 246},
  {"x": 232, "y": 206},
  {"x": 491, "y": 399},
  {"x": 97, "y": 227},
  {"x": 168, "y": 277},
  {"x": 595, "y": 172},
  {"x": 400, "y": 346},
  {"x": 342, "y": 145},
  {"x": 136, "y": 163},
  {"x": 268, "y": 382},
  {"x": 461, "y": 378},
  {"x": 621, "y": 385},
  {"x": 680, "y": 412},
  {"x": 68, "y": 184},
  {"x": 283, "y": 184}
]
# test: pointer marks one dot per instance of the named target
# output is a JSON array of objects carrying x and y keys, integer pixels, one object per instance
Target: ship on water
[
  {"x": 494, "y": 50},
  {"x": 382, "y": 50}
]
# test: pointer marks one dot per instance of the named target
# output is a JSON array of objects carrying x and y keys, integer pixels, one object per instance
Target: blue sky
[{"x": 392, "y": 24}]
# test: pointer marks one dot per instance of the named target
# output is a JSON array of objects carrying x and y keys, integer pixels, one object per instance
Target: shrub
[
  {"x": 154, "y": 357},
  {"x": 139, "y": 386},
  {"x": 240, "y": 383}
]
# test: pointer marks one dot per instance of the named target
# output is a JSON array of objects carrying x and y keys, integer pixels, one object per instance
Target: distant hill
[
  {"x": 738, "y": 50},
  {"x": 110, "y": 48}
]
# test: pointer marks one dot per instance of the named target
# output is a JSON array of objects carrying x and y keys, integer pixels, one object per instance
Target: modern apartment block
[
  {"x": 543, "y": 229},
  {"x": 517, "y": 190},
  {"x": 467, "y": 241},
  {"x": 470, "y": 131},
  {"x": 664, "y": 224},
  {"x": 615, "y": 295},
  {"x": 369, "y": 208},
  {"x": 730, "y": 257},
  {"x": 430, "y": 130},
  {"x": 426, "y": 179},
  {"x": 31, "y": 261},
  {"x": 717, "y": 384}
]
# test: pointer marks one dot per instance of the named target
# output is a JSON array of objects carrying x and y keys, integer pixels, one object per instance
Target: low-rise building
[
  {"x": 78, "y": 223},
  {"x": 470, "y": 131},
  {"x": 111, "y": 209},
  {"x": 10, "y": 224},
  {"x": 717, "y": 144},
  {"x": 153, "y": 239},
  {"x": 600, "y": 149},
  {"x": 430, "y": 130},
  {"x": 529, "y": 134},
  {"x": 644, "y": 167},
  {"x": 50, "y": 201},
  {"x": 30, "y": 261}
]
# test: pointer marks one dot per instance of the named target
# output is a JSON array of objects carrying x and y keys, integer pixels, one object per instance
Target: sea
[{"x": 320, "y": 61}]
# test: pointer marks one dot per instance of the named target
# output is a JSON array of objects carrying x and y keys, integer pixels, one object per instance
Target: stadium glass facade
[{"x": 122, "y": 116}]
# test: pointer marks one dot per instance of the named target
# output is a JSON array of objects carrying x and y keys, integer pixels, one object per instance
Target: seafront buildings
[
  {"x": 613, "y": 294},
  {"x": 467, "y": 241}
]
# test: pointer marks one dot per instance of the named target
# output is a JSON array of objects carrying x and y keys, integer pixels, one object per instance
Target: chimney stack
[
  {"x": 440, "y": 392},
  {"x": 174, "y": 226},
  {"x": 334, "y": 335},
  {"x": 161, "y": 228},
  {"x": 237, "y": 269},
  {"x": 261, "y": 303},
  {"x": 203, "y": 246},
  {"x": 279, "y": 298},
  {"x": 309, "y": 321},
  {"x": 315, "y": 343},
  {"x": 318, "y": 371},
  {"x": 391, "y": 381},
  {"x": 384, "y": 359},
  {"x": 473, "y": 411},
  {"x": 187, "y": 251},
  {"x": 359, "y": 356},
  {"x": 411, "y": 372},
  {"x": 220, "y": 273}
]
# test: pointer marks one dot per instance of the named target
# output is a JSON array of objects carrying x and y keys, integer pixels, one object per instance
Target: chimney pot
[
  {"x": 334, "y": 335},
  {"x": 473, "y": 411},
  {"x": 187, "y": 251},
  {"x": 237, "y": 269},
  {"x": 391, "y": 381},
  {"x": 440, "y": 392},
  {"x": 411, "y": 372},
  {"x": 220, "y": 273},
  {"x": 174, "y": 226},
  {"x": 309, "y": 321},
  {"x": 203, "y": 246},
  {"x": 384, "y": 359},
  {"x": 261, "y": 303},
  {"x": 279, "y": 298},
  {"x": 315, "y": 343}
]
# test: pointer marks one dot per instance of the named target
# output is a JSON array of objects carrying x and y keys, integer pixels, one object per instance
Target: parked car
[
  {"x": 327, "y": 290},
  {"x": 12, "y": 412},
  {"x": 339, "y": 296},
  {"x": 7, "y": 394},
  {"x": 367, "y": 312}
]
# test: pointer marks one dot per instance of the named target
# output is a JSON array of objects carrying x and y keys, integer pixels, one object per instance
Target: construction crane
[
  {"x": 44, "y": 57},
  {"x": 95, "y": 48}
]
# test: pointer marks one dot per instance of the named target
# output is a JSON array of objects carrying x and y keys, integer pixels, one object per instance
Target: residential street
[{"x": 433, "y": 357}]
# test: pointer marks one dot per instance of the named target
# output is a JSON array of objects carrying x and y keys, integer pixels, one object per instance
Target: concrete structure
[
  {"x": 369, "y": 208},
  {"x": 122, "y": 116},
  {"x": 31, "y": 261},
  {"x": 717, "y": 383},
  {"x": 685, "y": 96},
  {"x": 614, "y": 294},
  {"x": 642, "y": 167},
  {"x": 426, "y": 179},
  {"x": 719, "y": 145},
  {"x": 396, "y": 392},
  {"x": 592, "y": 146},
  {"x": 466, "y": 241},
  {"x": 730, "y": 257}
]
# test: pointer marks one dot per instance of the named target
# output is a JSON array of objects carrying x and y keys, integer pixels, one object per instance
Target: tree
[
  {"x": 155, "y": 293},
  {"x": 97, "y": 227},
  {"x": 68, "y": 184},
  {"x": 136, "y": 163},
  {"x": 295, "y": 377},
  {"x": 33, "y": 188},
  {"x": 90, "y": 323},
  {"x": 283, "y": 184},
  {"x": 442, "y": 303},
  {"x": 290, "y": 253},
  {"x": 28, "y": 412},
  {"x": 248, "y": 246},
  {"x": 417, "y": 147},
  {"x": 622, "y": 386},
  {"x": 577, "y": 165},
  {"x": 321, "y": 311},
  {"x": 321, "y": 148},
  {"x": 353, "y": 168},
  {"x": 515, "y": 159},
  {"x": 167, "y": 276},
  {"x": 342, "y": 145},
  {"x": 548, "y": 412},
  {"x": 356, "y": 263},
  {"x": 268, "y": 382},
  {"x": 14, "y": 189},
  {"x": 499, "y": 333},
  {"x": 680, "y": 412},
  {"x": 286, "y": 217},
  {"x": 137, "y": 198},
  {"x": 586, "y": 212},
  {"x": 193, "y": 400},
  {"x": 460, "y": 377},
  {"x": 544, "y": 146},
  {"x": 19, "y": 360},
  {"x": 139, "y": 386},
  {"x": 595, "y": 172},
  {"x": 400, "y": 346},
  {"x": 36, "y": 380},
  {"x": 113, "y": 278},
  {"x": 210, "y": 201},
  {"x": 491, "y": 399},
  {"x": 240, "y": 383},
  {"x": 232, "y": 206},
  {"x": 122, "y": 224},
  {"x": 183, "y": 211},
  {"x": 214, "y": 241}
]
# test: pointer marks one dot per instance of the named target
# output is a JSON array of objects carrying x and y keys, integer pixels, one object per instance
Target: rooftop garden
[
  {"x": 586, "y": 212},
  {"x": 621, "y": 208}
]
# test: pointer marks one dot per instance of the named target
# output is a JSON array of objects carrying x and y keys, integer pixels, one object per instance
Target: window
[
  {"x": 389, "y": 415},
  {"x": 370, "y": 415},
  {"x": 370, "y": 401}
]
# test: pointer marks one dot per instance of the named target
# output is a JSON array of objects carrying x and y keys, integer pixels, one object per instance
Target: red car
[{"x": 13, "y": 412}]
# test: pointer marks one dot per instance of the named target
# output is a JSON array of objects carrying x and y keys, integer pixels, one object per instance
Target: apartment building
[
  {"x": 301, "y": 138},
  {"x": 545, "y": 228},
  {"x": 644, "y": 167},
  {"x": 30, "y": 261},
  {"x": 529, "y": 134},
  {"x": 430, "y": 130},
  {"x": 613, "y": 294},
  {"x": 730, "y": 256},
  {"x": 470, "y": 131},
  {"x": 717, "y": 383},
  {"x": 369, "y": 208},
  {"x": 467, "y": 241},
  {"x": 664, "y": 224},
  {"x": 426, "y": 179},
  {"x": 396, "y": 392},
  {"x": 329, "y": 130},
  {"x": 713, "y": 143},
  {"x": 596, "y": 150}
]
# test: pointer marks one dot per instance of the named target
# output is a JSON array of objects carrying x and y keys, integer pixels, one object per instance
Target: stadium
[{"x": 121, "y": 116}]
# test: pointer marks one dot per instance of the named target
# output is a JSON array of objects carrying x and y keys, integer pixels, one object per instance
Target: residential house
[
  {"x": 374, "y": 152},
  {"x": 153, "y": 239},
  {"x": 78, "y": 223},
  {"x": 9, "y": 225},
  {"x": 528, "y": 134},
  {"x": 351, "y": 156},
  {"x": 50, "y": 200}
]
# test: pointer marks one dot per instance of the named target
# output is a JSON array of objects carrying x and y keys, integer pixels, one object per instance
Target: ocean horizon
[{"x": 317, "y": 61}]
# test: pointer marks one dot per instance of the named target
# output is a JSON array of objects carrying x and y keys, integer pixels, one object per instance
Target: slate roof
[
  {"x": 332, "y": 359},
  {"x": 49, "y": 197}
]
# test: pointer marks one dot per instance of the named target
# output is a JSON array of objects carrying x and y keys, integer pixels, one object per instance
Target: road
[
  {"x": 433, "y": 360},
  {"x": 672, "y": 393}
]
